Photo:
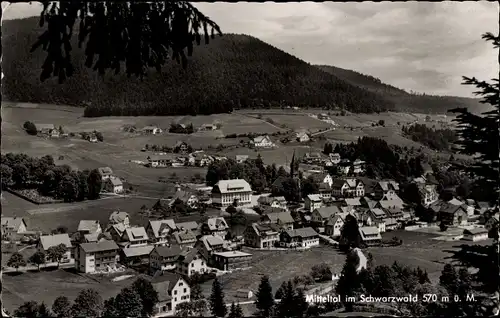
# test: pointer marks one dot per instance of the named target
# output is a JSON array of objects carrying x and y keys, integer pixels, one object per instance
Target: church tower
[{"x": 294, "y": 167}]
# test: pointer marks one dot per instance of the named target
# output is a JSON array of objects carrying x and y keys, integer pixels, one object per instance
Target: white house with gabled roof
[
  {"x": 159, "y": 231},
  {"x": 262, "y": 142},
  {"x": 48, "y": 241},
  {"x": 225, "y": 192}
]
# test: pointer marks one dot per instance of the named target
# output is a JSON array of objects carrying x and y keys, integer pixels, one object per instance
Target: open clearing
[
  {"x": 48, "y": 217},
  {"x": 46, "y": 286}
]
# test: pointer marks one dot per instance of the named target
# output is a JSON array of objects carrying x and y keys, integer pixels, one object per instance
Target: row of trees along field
[
  {"x": 437, "y": 139},
  {"x": 21, "y": 172}
]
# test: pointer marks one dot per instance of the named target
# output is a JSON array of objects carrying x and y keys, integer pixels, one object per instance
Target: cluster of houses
[
  {"x": 110, "y": 182},
  {"x": 49, "y": 130},
  {"x": 194, "y": 159},
  {"x": 155, "y": 130}
]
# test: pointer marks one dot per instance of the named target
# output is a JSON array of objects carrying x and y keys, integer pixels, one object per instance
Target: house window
[
  {"x": 192, "y": 265},
  {"x": 175, "y": 299},
  {"x": 180, "y": 284},
  {"x": 175, "y": 292},
  {"x": 185, "y": 290}
]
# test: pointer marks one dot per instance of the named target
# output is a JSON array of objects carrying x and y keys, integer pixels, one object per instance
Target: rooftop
[
  {"x": 137, "y": 251},
  {"x": 302, "y": 232},
  {"x": 101, "y": 246},
  {"x": 49, "y": 241},
  {"x": 233, "y": 185},
  {"x": 230, "y": 254}
]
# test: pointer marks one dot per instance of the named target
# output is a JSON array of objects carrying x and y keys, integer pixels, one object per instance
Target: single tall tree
[
  {"x": 147, "y": 294},
  {"x": 128, "y": 303},
  {"x": 88, "y": 303},
  {"x": 217, "y": 304},
  {"x": 265, "y": 299},
  {"x": 235, "y": 311},
  {"x": 38, "y": 259},
  {"x": 479, "y": 137},
  {"x": 94, "y": 184},
  {"x": 349, "y": 283},
  {"x": 56, "y": 253},
  {"x": 16, "y": 261},
  {"x": 140, "y": 35},
  {"x": 62, "y": 307}
]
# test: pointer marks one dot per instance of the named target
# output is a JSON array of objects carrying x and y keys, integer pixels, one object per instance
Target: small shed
[
  {"x": 476, "y": 234},
  {"x": 244, "y": 293}
]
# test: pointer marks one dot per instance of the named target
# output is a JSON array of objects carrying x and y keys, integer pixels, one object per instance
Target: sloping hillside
[
  {"x": 403, "y": 100},
  {"x": 232, "y": 71}
]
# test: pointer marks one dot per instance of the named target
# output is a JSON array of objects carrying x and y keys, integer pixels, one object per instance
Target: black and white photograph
[{"x": 250, "y": 159}]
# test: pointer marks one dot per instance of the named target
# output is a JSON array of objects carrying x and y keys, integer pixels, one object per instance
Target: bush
[
  {"x": 30, "y": 128},
  {"x": 381, "y": 122}
]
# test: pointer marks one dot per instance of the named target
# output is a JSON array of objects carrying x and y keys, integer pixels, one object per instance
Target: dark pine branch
[{"x": 138, "y": 34}]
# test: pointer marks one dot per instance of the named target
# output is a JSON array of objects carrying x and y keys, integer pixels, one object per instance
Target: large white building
[
  {"x": 225, "y": 192},
  {"x": 172, "y": 290},
  {"x": 96, "y": 256}
]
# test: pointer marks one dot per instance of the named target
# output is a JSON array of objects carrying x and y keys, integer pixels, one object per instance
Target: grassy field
[
  {"x": 418, "y": 249},
  {"x": 46, "y": 286},
  {"x": 46, "y": 218},
  {"x": 279, "y": 266}
]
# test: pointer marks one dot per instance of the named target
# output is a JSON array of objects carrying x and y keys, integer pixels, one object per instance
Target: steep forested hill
[
  {"x": 231, "y": 71},
  {"x": 403, "y": 100}
]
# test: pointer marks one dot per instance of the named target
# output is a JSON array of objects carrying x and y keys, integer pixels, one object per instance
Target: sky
[{"x": 424, "y": 47}]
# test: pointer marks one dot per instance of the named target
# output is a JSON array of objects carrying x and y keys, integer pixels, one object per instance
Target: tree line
[
  {"x": 19, "y": 172},
  {"x": 382, "y": 160},
  {"x": 255, "y": 75},
  {"x": 254, "y": 171},
  {"x": 437, "y": 139}
]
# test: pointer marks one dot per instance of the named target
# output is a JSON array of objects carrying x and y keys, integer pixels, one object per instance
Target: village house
[
  {"x": 370, "y": 235},
  {"x": 492, "y": 222},
  {"x": 118, "y": 217},
  {"x": 12, "y": 226},
  {"x": 96, "y": 256},
  {"x": 116, "y": 231},
  {"x": 302, "y": 137},
  {"x": 48, "y": 241},
  {"x": 190, "y": 262},
  {"x": 344, "y": 167},
  {"x": 453, "y": 215},
  {"x": 113, "y": 185},
  {"x": 241, "y": 158},
  {"x": 159, "y": 161},
  {"x": 322, "y": 177},
  {"x": 348, "y": 188},
  {"x": 391, "y": 224},
  {"x": 378, "y": 217},
  {"x": 184, "y": 238},
  {"x": 325, "y": 191},
  {"x": 225, "y": 192},
  {"x": 134, "y": 236},
  {"x": 335, "y": 158},
  {"x": 48, "y": 130},
  {"x": 312, "y": 158},
  {"x": 135, "y": 255},
  {"x": 172, "y": 290},
  {"x": 262, "y": 142},
  {"x": 151, "y": 130},
  {"x": 209, "y": 244},
  {"x": 283, "y": 219},
  {"x": 428, "y": 192},
  {"x": 476, "y": 234},
  {"x": 304, "y": 237},
  {"x": 208, "y": 127},
  {"x": 273, "y": 202},
  {"x": 468, "y": 207},
  {"x": 358, "y": 166},
  {"x": 382, "y": 188},
  {"x": 352, "y": 202},
  {"x": 313, "y": 202},
  {"x": 334, "y": 226},
  {"x": 181, "y": 147},
  {"x": 231, "y": 260},
  {"x": 89, "y": 227},
  {"x": 163, "y": 258},
  {"x": 188, "y": 198},
  {"x": 262, "y": 235},
  {"x": 106, "y": 172},
  {"x": 191, "y": 226},
  {"x": 92, "y": 138},
  {"x": 215, "y": 226},
  {"x": 320, "y": 216},
  {"x": 159, "y": 231}
]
